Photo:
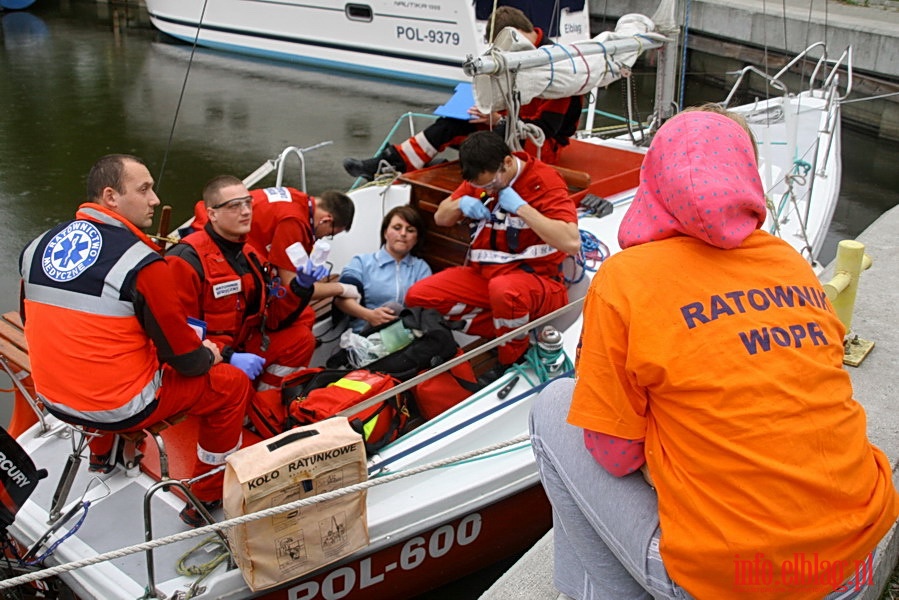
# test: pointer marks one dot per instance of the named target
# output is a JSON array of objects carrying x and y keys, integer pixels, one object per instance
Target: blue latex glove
[
  {"x": 473, "y": 208},
  {"x": 510, "y": 201},
  {"x": 250, "y": 364},
  {"x": 306, "y": 279}
]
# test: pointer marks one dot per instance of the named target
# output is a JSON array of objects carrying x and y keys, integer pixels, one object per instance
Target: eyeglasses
[
  {"x": 235, "y": 204},
  {"x": 494, "y": 183},
  {"x": 330, "y": 223}
]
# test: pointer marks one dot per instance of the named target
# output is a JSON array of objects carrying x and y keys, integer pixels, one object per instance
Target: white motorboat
[{"x": 418, "y": 41}]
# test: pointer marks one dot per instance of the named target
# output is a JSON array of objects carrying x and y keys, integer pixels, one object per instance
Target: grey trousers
[{"x": 605, "y": 528}]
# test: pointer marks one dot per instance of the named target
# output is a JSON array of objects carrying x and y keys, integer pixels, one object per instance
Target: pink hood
[{"x": 699, "y": 179}]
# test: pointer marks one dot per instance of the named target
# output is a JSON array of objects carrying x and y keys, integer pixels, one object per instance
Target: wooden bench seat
[{"x": 14, "y": 353}]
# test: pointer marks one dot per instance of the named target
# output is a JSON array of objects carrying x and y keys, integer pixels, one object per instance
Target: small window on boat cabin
[{"x": 359, "y": 12}]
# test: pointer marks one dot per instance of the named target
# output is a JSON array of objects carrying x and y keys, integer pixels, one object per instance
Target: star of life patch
[
  {"x": 72, "y": 251},
  {"x": 277, "y": 194}
]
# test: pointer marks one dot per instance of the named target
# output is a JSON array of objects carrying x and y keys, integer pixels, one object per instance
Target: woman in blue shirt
[{"x": 383, "y": 277}]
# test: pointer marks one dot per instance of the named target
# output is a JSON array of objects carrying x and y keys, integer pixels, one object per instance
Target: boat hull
[
  {"x": 421, "y": 42},
  {"x": 434, "y": 557}
]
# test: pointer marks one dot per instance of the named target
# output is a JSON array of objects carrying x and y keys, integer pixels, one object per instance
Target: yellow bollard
[{"x": 841, "y": 291}]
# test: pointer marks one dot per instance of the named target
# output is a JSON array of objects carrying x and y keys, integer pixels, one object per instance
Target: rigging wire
[
  {"x": 683, "y": 66},
  {"x": 784, "y": 21},
  {"x": 190, "y": 61}
]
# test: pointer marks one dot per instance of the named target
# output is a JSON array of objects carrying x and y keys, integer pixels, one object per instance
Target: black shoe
[
  {"x": 101, "y": 463},
  {"x": 361, "y": 168},
  {"x": 388, "y": 159},
  {"x": 191, "y": 516},
  {"x": 492, "y": 375}
]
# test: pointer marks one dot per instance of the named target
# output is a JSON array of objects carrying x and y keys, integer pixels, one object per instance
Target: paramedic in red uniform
[
  {"x": 109, "y": 347},
  {"x": 524, "y": 225},
  {"x": 283, "y": 216},
  {"x": 223, "y": 281},
  {"x": 557, "y": 118}
]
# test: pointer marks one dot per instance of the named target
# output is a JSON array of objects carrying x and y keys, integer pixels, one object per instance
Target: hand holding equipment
[
  {"x": 473, "y": 208},
  {"x": 510, "y": 201},
  {"x": 249, "y": 363},
  {"x": 307, "y": 279}
]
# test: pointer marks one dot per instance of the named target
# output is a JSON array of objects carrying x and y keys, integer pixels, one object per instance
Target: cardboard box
[{"x": 297, "y": 464}]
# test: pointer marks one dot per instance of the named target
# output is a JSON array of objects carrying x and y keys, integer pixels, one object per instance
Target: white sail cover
[{"x": 584, "y": 66}]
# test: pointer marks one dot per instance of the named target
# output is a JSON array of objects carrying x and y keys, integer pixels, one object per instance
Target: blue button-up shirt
[{"x": 383, "y": 279}]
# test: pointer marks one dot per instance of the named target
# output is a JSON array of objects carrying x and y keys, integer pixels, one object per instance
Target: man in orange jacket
[{"x": 109, "y": 348}]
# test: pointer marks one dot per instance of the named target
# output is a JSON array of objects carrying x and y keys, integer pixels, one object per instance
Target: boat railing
[
  {"x": 474, "y": 353},
  {"x": 413, "y": 120},
  {"x": 746, "y": 71},
  {"x": 278, "y": 164},
  {"x": 829, "y": 81},
  {"x": 31, "y": 574}
]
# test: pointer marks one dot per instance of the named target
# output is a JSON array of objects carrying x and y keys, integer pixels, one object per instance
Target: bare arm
[
  {"x": 448, "y": 212},
  {"x": 373, "y": 317}
]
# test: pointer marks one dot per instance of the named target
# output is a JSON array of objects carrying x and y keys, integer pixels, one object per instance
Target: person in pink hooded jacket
[{"x": 711, "y": 360}]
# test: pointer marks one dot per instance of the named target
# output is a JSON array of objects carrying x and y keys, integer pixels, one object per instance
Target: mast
[
  {"x": 666, "y": 71},
  {"x": 505, "y": 62}
]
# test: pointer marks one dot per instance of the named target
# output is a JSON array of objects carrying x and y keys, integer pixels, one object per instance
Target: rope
[
  {"x": 586, "y": 75},
  {"x": 85, "y": 506},
  {"x": 201, "y": 569},
  {"x": 533, "y": 132},
  {"x": 545, "y": 363},
  {"x": 592, "y": 250},
  {"x": 190, "y": 62},
  {"x": 269, "y": 512}
]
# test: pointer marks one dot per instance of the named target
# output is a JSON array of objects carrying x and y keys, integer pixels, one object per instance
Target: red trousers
[
  {"x": 490, "y": 307},
  {"x": 219, "y": 400},
  {"x": 289, "y": 350}
]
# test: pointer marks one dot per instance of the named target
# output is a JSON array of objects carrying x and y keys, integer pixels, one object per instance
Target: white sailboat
[{"x": 428, "y": 524}]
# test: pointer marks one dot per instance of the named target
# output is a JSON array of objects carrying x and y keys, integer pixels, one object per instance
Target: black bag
[
  {"x": 18, "y": 478},
  {"x": 434, "y": 344}
]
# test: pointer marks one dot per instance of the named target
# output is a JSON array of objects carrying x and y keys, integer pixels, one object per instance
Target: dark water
[{"x": 80, "y": 79}]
